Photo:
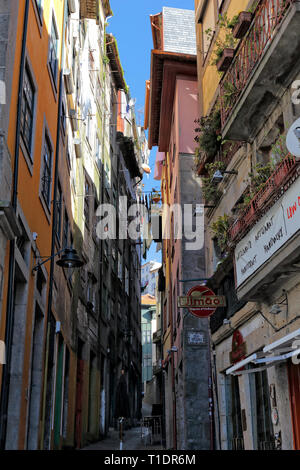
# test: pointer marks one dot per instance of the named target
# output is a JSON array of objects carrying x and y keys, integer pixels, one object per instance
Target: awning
[
  {"x": 272, "y": 354},
  {"x": 284, "y": 342}
]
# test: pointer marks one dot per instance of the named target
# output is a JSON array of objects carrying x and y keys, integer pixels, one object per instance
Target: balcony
[
  {"x": 130, "y": 155},
  {"x": 225, "y": 155},
  {"x": 284, "y": 175},
  {"x": 157, "y": 336},
  {"x": 157, "y": 367},
  {"x": 265, "y": 64}
]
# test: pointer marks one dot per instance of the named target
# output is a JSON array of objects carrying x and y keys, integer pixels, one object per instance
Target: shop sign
[
  {"x": 280, "y": 223},
  {"x": 201, "y": 301}
]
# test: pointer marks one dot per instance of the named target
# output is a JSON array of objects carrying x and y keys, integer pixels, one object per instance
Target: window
[
  {"x": 261, "y": 411},
  {"x": 58, "y": 211},
  {"x": 104, "y": 302},
  {"x": 87, "y": 203},
  {"x": 46, "y": 170},
  {"x": 63, "y": 117},
  {"x": 90, "y": 290},
  {"x": 120, "y": 267},
  {"x": 98, "y": 152},
  {"x": 66, "y": 230},
  {"x": 146, "y": 334},
  {"x": 53, "y": 51},
  {"x": 68, "y": 153},
  {"x": 92, "y": 69},
  {"x": 89, "y": 128},
  {"x": 27, "y": 109},
  {"x": 98, "y": 93},
  {"x": 208, "y": 24},
  {"x": 39, "y": 4},
  {"x": 126, "y": 281}
]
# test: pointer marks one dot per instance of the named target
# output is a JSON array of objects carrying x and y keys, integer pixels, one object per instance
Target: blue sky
[{"x": 130, "y": 25}]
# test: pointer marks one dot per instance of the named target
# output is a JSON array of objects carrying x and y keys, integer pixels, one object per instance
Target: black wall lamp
[
  {"x": 69, "y": 259},
  {"x": 219, "y": 175}
]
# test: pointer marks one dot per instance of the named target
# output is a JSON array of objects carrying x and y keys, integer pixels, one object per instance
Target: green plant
[
  {"x": 225, "y": 38},
  {"x": 279, "y": 149},
  {"x": 253, "y": 7},
  {"x": 233, "y": 22},
  {"x": 198, "y": 157},
  {"x": 208, "y": 131},
  {"x": 220, "y": 230},
  {"x": 230, "y": 90},
  {"x": 105, "y": 59},
  {"x": 210, "y": 191},
  {"x": 260, "y": 174},
  {"x": 257, "y": 180}
]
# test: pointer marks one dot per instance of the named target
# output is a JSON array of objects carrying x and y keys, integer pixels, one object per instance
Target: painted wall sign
[
  {"x": 196, "y": 337},
  {"x": 239, "y": 350},
  {"x": 201, "y": 301},
  {"x": 280, "y": 223}
]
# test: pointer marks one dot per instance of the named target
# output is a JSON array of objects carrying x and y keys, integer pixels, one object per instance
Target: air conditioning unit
[
  {"x": 74, "y": 120},
  {"x": 72, "y": 6},
  {"x": 78, "y": 149},
  {"x": 69, "y": 81}
]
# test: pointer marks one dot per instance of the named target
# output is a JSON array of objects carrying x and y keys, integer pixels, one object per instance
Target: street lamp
[
  {"x": 69, "y": 259},
  {"x": 219, "y": 176}
]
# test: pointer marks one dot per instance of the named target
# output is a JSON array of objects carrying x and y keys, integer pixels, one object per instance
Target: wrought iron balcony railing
[
  {"x": 157, "y": 336},
  {"x": 264, "y": 27},
  {"x": 225, "y": 155},
  {"x": 285, "y": 173}
]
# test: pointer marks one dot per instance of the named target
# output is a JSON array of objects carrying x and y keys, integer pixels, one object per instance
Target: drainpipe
[
  {"x": 54, "y": 213},
  {"x": 11, "y": 270}
]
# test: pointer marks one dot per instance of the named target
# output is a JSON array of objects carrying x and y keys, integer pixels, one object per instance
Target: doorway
[{"x": 294, "y": 386}]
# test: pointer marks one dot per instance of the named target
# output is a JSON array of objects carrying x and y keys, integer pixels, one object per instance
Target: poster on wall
[{"x": 272, "y": 231}]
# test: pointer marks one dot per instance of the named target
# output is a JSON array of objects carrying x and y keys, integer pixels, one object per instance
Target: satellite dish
[
  {"x": 293, "y": 139},
  {"x": 132, "y": 102},
  {"x": 146, "y": 168}
]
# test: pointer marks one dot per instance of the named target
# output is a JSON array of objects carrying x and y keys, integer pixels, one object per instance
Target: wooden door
[{"x": 294, "y": 385}]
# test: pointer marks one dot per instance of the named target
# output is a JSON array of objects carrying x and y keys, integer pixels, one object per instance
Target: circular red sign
[{"x": 210, "y": 304}]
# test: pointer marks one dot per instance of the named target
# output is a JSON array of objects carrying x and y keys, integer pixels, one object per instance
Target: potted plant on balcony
[
  {"x": 208, "y": 137},
  {"x": 208, "y": 131},
  {"x": 230, "y": 91},
  {"x": 220, "y": 229},
  {"x": 210, "y": 191},
  {"x": 240, "y": 24},
  {"x": 225, "y": 44}
]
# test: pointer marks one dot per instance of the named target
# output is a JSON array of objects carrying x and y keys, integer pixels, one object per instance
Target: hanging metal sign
[{"x": 201, "y": 301}]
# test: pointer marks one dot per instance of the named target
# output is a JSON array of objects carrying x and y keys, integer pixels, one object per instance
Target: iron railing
[
  {"x": 271, "y": 191},
  {"x": 266, "y": 445},
  {"x": 237, "y": 443},
  {"x": 225, "y": 155},
  {"x": 267, "y": 17}
]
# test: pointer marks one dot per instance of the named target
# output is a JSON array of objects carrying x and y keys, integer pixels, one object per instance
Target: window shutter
[{"x": 88, "y": 9}]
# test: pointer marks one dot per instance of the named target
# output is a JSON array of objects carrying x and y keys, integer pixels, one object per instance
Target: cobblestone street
[{"x": 132, "y": 441}]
